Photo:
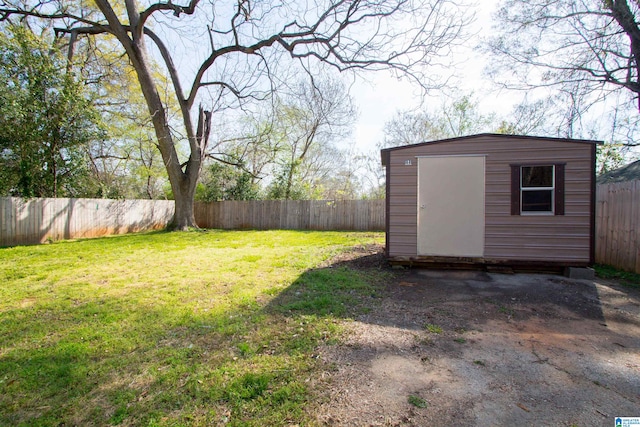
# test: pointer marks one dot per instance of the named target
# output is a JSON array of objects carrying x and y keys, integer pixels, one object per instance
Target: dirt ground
[{"x": 471, "y": 348}]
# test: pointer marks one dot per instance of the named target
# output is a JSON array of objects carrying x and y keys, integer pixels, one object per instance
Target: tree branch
[
  {"x": 167, "y": 7},
  {"x": 5, "y": 14}
]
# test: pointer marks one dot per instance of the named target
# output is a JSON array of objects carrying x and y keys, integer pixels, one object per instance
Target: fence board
[
  {"x": 347, "y": 215},
  {"x": 31, "y": 221},
  {"x": 636, "y": 225},
  {"x": 618, "y": 225}
]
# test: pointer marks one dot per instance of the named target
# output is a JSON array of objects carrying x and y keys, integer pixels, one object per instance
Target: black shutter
[
  {"x": 515, "y": 189},
  {"x": 559, "y": 189}
]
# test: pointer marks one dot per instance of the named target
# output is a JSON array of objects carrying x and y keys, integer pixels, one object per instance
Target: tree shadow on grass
[
  {"x": 346, "y": 286},
  {"x": 77, "y": 365}
]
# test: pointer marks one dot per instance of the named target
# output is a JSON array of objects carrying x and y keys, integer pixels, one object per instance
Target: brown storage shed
[{"x": 491, "y": 199}]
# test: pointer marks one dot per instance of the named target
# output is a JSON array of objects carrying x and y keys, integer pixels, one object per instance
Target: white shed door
[{"x": 451, "y": 206}]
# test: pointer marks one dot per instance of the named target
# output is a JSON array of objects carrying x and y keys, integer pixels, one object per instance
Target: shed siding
[{"x": 507, "y": 237}]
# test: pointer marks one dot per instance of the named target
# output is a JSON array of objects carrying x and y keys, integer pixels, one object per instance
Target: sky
[{"x": 378, "y": 96}]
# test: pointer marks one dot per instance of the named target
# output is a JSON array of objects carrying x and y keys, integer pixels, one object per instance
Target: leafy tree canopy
[{"x": 45, "y": 119}]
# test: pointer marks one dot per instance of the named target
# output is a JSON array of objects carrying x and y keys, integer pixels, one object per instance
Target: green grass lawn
[
  {"x": 625, "y": 278},
  {"x": 168, "y": 329}
]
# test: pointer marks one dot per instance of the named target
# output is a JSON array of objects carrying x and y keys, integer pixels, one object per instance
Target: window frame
[
  {"x": 557, "y": 195},
  {"x": 551, "y": 189}
]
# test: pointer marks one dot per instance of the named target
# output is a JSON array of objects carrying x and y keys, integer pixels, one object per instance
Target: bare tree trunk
[
  {"x": 184, "y": 218},
  {"x": 183, "y": 182}
]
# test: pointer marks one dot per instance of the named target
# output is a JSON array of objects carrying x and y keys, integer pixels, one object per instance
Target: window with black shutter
[{"x": 537, "y": 189}]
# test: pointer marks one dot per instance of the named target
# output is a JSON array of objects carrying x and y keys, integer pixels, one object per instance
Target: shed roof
[
  {"x": 629, "y": 172},
  {"x": 385, "y": 151}
]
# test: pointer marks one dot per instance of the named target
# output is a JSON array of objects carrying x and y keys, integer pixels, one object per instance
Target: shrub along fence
[{"x": 618, "y": 225}]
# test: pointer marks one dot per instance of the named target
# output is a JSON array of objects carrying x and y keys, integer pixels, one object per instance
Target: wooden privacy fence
[
  {"x": 29, "y": 221},
  {"x": 618, "y": 225},
  {"x": 364, "y": 215}
]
